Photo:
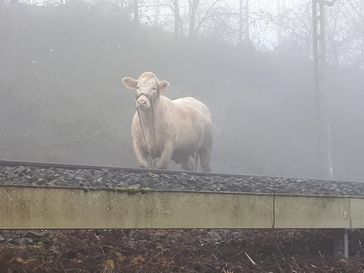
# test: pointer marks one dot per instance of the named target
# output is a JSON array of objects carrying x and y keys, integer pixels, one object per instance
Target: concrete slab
[
  {"x": 312, "y": 212},
  {"x": 357, "y": 212},
  {"x": 49, "y": 208}
]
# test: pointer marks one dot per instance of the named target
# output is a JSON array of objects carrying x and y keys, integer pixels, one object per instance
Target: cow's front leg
[
  {"x": 139, "y": 153},
  {"x": 166, "y": 155}
]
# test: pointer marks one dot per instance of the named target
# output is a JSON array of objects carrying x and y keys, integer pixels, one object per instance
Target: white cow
[{"x": 165, "y": 130}]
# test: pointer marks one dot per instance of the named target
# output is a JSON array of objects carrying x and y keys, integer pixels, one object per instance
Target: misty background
[{"x": 61, "y": 64}]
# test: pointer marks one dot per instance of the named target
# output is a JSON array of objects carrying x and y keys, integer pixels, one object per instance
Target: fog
[{"x": 62, "y": 100}]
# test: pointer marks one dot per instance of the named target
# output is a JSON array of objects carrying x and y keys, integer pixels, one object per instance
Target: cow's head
[{"x": 148, "y": 88}]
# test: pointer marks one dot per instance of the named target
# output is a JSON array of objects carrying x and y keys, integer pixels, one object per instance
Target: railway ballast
[{"x": 63, "y": 175}]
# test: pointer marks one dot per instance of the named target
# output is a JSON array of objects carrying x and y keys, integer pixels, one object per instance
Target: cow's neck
[
  {"x": 151, "y": 117},
  {"x": 150, "y": 125},
  {"x": 149, "y": 120}
]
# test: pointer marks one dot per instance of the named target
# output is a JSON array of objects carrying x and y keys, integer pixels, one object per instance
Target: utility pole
[
  {"x": 247, "y": 21},
  {"x": 240, "y": 21},
  {"x": 341, "y": 242},
  {"x": 281, "y": 7},
  {"x": 319, "y": 57}
]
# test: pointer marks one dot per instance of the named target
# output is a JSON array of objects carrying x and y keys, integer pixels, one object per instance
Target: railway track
[
  {"x": 19, "y": 173},
  {"x": 35, "y": 195}
]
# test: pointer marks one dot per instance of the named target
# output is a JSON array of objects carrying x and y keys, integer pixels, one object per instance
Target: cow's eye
[{"x": 154, "y": 88}]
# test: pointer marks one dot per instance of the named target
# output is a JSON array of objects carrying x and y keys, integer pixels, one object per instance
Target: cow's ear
[
  {"x": 130, "y": 82},
  {"x": 163, "y": 85}
]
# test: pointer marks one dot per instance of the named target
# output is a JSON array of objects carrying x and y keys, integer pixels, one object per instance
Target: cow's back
[{"x": 195, "y": 106}]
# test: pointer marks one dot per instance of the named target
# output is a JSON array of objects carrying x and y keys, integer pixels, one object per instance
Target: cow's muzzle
[{"x": 144, "y": 101}]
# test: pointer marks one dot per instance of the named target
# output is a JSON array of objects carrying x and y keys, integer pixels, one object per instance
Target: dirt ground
[{"x": 185, "y": 251}]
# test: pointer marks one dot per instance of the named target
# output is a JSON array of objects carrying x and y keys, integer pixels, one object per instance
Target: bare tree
[
  {"x": 177, "y": 18},
  {"x": 207, "y": 13},
  {"x": 193, "y": 6},
  {"x": 246, "y": 19},
  {"x": 136, "y": 12},
  {"x": 157, "y": 13}
]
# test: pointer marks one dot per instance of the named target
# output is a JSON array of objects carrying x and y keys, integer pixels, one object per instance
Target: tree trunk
[
  {"x": 136, "y": 12},
  {"x": 193, "y": 5},
  {"x": 177, "y": 18},
  {"x": 246, "y": 19}
]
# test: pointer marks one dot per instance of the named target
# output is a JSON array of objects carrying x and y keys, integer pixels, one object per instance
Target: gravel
[{"x": 178, "y": 181}]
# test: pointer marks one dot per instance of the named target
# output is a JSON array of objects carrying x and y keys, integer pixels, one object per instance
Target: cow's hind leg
[
  {"x": 205, "y": 150},
  {"x": 188, "y": 164},
  {"x": 196, "y": 162},
  {"x": 205, "y": 156}
]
